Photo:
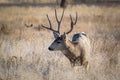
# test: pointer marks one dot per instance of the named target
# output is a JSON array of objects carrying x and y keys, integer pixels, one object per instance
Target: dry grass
[{"x": 24, "y": 54}]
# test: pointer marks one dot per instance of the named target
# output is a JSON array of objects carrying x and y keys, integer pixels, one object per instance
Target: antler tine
[
  {"x": 49, "y": 21},
  {"x": 49, "y": 24},
  {"x": 72, "y": 23},
  {"x": 76, "y": 19},
  {"x": 59, "y": 21}
]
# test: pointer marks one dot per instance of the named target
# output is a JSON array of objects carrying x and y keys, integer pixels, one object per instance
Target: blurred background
[
  {"x": 59, "y": 2},
  {"x": 24, "y": 53}
]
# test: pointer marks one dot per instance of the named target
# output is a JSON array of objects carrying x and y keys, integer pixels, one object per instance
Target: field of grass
[{"x": 23, "y": 50}]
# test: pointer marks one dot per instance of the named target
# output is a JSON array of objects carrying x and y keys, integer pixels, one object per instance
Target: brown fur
[{"x": 78, "y": 53}]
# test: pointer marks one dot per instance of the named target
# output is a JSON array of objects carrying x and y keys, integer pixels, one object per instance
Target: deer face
[{"x": 58, "y": 43}]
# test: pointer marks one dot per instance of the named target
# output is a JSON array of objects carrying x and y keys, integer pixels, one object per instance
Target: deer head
[{"x": 60, "y": 39}]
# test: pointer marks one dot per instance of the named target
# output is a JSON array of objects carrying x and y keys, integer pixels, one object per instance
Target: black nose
[{"x": 50, "y": 49}]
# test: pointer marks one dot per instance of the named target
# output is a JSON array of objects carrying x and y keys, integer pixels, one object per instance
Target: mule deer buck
[{"x": 76, "y": 50}]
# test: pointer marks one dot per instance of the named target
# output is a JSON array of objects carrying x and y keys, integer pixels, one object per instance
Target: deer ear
[
  {"x": 75, "y": 38},
  {"x": 64, "y": 36},
  {"x": 56, "y": 35}
]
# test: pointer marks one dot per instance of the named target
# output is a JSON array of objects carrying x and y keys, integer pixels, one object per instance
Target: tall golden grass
[{"x": 24, "y": 54}]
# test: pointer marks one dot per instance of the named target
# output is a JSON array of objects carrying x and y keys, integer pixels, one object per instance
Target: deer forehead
[{"x": 58, "y": 39}]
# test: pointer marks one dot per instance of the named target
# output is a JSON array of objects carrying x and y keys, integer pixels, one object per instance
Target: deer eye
[{"x": 58, "y": 42}]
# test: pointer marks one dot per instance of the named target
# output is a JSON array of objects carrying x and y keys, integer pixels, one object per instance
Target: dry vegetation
[
  {"x": 24, "y": 54},
  {"x": 44, "y": 1}
]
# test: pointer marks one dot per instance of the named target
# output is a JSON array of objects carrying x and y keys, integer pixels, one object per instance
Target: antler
[
  {"x": 49, "y": 24},
  {"x": 58, "y": 21},
  {"x": 72, "y": 23}
]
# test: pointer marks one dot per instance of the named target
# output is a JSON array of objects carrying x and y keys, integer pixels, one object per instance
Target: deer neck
[{"x": 69, "y": 50}]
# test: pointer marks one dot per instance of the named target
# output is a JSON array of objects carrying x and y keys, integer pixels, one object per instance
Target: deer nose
[{"x": 50, "y": 49}]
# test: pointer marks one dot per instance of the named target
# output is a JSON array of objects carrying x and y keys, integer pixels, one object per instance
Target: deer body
[{"x": 76, "y": 50}]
